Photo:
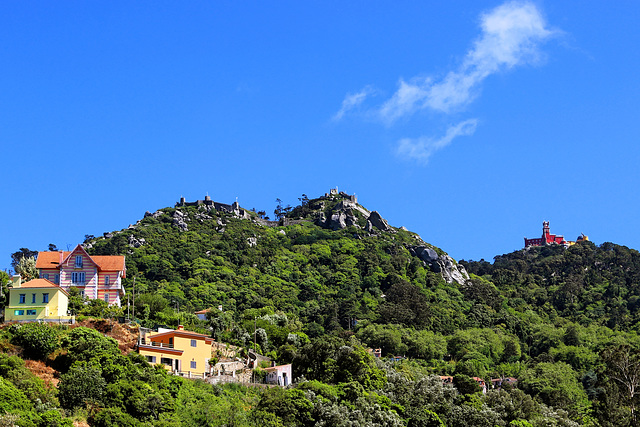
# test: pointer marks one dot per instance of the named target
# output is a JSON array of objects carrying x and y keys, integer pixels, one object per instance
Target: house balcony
[{"x": 144, "y": 341}]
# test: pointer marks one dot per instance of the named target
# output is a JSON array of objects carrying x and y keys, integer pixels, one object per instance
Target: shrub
[{"x": 37, "y": 339}]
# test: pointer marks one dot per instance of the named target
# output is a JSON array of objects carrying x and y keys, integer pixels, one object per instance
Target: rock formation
[{"x": 443, "y": 264}]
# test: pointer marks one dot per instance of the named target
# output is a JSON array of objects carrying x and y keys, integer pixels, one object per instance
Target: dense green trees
[{"x": 562, "y": 321}]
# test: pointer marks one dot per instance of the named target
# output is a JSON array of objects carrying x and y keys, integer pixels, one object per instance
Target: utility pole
[
  {"x": 255, "y": 352},
  {"x": 134, "y": 299}
]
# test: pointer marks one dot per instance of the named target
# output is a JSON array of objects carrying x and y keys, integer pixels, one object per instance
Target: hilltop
[{"x": 329, "y": 261}]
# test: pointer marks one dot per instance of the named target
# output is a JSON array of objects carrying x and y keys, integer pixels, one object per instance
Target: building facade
[
  {"x": 37, "y": 300},
  {"x": 279, "y": 375},
  {"x": 97, "y": 277},
  {"x": 178, "y": 351}
]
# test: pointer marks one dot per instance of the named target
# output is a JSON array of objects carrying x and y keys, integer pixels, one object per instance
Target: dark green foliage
[
  {"x": 82, "y": 384},
  {"x": 110, "y": 417},
  {"x": 84, "y": 343},
  {"x": 556, "y": 384},
  {"x": 334, "y": 360},
  {"x": 12, "y": 368},
  {"x": 584, "y": 283},
  {"x": 12, "y": 399},
  {"x": 22, "y": 253},
  {"x": 290, "y": 406},
  {"x": 37, "y": 339},
  {"x": 465, "y": 384}
]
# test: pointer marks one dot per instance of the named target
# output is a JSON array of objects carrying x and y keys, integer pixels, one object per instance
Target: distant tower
[{"x": 545, "y": 229}]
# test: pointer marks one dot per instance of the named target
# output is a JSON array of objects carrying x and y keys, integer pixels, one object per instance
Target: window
[
  {"x": 31, "y": 312},
  {"x": 166, "y": 361},
  {"x": 78, "y": 261},
  {"x": 106, "y": 280},
  {"x": 77, "y": 278},
  {"x": 45, "y": 298},
  {"x": 56, "y": 279},
  {"x": 106, "y": 298},
  {"x": 23, "y": 298},
  {"x": 18, "y": 313},
  {"x": 193, "y": 364},
  {"x": 33, "y": 298},
  {"x": 45, "y": 276},
  {"x": 82, "y": 293},
  {"x": 151, "y": 359},
  {"x": 194, "y": 343}
]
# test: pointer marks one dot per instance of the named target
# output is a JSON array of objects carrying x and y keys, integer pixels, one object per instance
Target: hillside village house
[
  {"x": 279, "y": 375},
  {"x": 35, "y": 300},
  {"x": 97, "y": 277},
  {"x": 179, "y": 351}
]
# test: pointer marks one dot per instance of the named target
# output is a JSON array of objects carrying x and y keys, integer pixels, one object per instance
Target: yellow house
[
  {"x": 38, "y": 299},
  {"x": 179, "y": 351}
]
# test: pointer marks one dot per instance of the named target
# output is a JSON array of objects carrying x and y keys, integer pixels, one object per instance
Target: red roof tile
[
  {"x": 51, "y": 260},
  {"x": 40, "y": 283}
]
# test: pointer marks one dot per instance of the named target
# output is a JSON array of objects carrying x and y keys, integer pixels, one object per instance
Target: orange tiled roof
[
  {"x": 109, "y": 262},
  {"x": 40, "y": 283},
  {"x": 50, "y": 260}
]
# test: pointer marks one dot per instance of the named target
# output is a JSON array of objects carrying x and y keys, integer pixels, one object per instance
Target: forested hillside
[{"x": 332, "y": 279}]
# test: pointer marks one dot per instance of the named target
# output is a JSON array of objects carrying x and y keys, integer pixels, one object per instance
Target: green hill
[
  {"x": 326, "y": 280},
  {"x": 328, "y": 277}
]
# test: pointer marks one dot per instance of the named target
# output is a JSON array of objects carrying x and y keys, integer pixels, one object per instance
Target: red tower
[{"x": 547, "y": 238}]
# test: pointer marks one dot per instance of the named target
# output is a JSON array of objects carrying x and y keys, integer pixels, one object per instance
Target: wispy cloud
[
  {"x": 421, "y": 149},
  {"x": 352, "y": 100},
  {"x": 511, "y": 35}
]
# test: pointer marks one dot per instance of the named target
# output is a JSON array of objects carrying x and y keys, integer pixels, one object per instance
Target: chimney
[
  {"x": 16, "y": 281},
  {"x": 180, "y": 328}
]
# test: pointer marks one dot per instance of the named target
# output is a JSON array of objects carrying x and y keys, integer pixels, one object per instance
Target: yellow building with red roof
[
  {"x": 179, "y": 351},
  {"x": 97, "y": 276},
  {"x": 38, "y": 299}
]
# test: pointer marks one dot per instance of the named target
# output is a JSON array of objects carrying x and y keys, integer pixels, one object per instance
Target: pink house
[
  {"x": 280, "y": 375},
  {"x": 97, "y": 277}
]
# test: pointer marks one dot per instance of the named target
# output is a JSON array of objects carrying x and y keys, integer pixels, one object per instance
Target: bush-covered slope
[
  {"x": 585, "y": 283},
  {"x": 324, "y": 283},
  {"x": 328, "y": 279}
]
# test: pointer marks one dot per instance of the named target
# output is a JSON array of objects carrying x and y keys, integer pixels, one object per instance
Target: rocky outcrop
[
  {"x": 338, "y": 220},
  {"x": 377, "y": 221},
  {"x": 443, "y": 264},
  {"x": 180, "y": 220},
  {"x": 135, "y": 242},
  {"x": 344, "y": 214}
]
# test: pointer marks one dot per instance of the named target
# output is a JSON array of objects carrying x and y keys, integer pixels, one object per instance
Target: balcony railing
[{"x": 143, "y": 341}]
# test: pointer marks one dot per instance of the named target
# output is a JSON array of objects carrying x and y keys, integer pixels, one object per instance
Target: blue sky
[{"x": 467, "y": 122}]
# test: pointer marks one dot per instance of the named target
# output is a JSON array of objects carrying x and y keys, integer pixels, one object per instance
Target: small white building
[{"x": 279, "y": 375}]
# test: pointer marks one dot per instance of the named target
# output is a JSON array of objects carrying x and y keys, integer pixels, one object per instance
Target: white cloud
[
  {"x": 421, "y": 149},
  {"x": 352, "y": 100},
  {"x": 511, "y": 34}
]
